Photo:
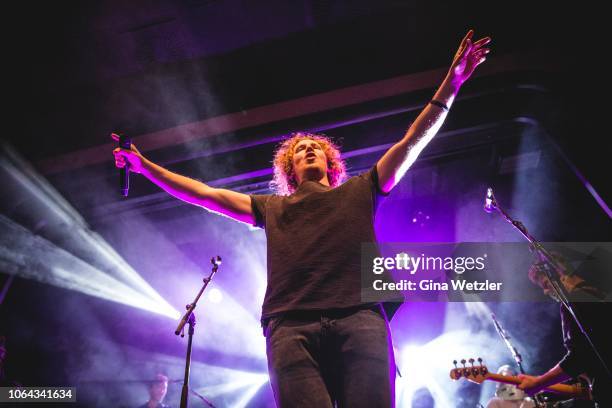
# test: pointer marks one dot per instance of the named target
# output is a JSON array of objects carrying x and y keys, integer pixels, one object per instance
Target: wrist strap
[{"x": 439, "y": 104}]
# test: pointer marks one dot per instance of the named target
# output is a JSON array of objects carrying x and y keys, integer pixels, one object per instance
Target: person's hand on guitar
[{"x": 530, "y": 384}]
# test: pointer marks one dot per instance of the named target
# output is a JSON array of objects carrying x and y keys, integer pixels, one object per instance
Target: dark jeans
[{"x": 316, "y": 360}]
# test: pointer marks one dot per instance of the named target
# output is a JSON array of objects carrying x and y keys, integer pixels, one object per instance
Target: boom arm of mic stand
[
  {"x": 206, "y": 401},
  {"x": 515, "y": 354},
  {"x": 190, "y": 307},
  {"x": 562, "y": 296},
  {"x": 558, "y": 288}
]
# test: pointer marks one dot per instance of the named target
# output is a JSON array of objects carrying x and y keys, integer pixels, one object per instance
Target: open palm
[{"x": 468, "y": 57}]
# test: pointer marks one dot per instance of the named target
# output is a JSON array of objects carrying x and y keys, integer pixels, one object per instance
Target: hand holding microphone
[{"x": 127, "y": 158}]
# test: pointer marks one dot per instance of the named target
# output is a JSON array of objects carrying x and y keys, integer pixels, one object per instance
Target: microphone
[
  {"x": 124, "y": 173},
  {"x": 490, "y": 204}
]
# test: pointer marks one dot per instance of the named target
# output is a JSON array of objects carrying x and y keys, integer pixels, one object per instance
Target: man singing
[{"x": 325, "y": 346}]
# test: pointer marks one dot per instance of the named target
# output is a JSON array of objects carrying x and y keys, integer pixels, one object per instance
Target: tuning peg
[
  {"x": 479, "y": 360},
  {"x": 471, "y": 360},
  {"x": 463, "y": 361},
  {"x": 455, "y": 363}
]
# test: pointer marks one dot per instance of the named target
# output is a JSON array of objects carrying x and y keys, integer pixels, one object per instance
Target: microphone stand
[
  {"x": 515, "y": 354},
  {"x": 189, "y": 318},
  {"x": 506, "y": 338},
  {"x": 560, "y": 292}
]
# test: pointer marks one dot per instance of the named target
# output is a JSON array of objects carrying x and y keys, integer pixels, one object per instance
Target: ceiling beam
[{"x": 276, "y": 112}]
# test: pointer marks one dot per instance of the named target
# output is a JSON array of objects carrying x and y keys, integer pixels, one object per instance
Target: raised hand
[
  {"x": 131, "y": 156},
  {"x": 467, "y": 58}
]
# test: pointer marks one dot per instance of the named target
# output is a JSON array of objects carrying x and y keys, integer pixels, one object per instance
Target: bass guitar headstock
[{"x": 474, "y": 373}]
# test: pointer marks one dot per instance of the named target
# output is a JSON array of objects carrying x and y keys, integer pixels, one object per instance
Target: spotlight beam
[
  {"x": 65, "y": 226},
  {"x": 33, "y": 257}
]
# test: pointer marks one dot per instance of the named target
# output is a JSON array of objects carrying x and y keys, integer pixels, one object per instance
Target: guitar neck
[{"x": 573, "y": 390}]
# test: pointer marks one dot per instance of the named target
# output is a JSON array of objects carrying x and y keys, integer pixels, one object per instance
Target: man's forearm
[
  {"x": 431, "y": 118},
  {"x": 181, "y": 187},
  {"x": 400, "y": 157},
  {"x": 222, "y": 201}
]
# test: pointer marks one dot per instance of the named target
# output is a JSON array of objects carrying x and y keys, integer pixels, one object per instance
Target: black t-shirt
[{"x": 314, "y": 239}]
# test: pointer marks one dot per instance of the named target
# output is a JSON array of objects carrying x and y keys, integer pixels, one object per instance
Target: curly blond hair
[{"x": 284, "y": 181}]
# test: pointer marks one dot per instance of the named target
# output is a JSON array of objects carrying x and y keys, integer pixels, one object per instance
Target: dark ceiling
[{"x": 86, "y": 68}]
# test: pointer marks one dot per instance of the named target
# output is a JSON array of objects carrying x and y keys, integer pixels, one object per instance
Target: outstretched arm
[
  {"x": 234, "y": 205},
  {"x": 398, "y": 159}
]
